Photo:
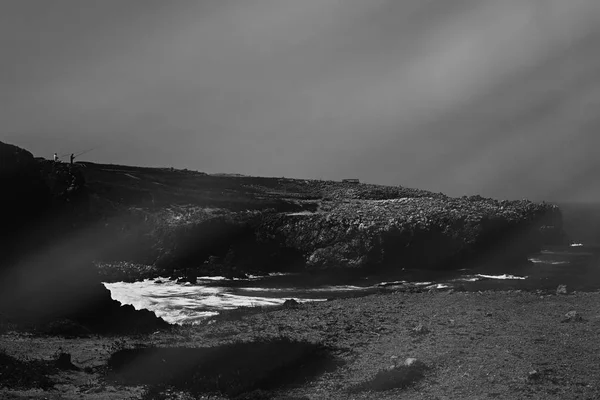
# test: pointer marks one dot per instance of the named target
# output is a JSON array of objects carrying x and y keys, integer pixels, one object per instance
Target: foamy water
[
  {"x": 179, "y": 303},
  {"x": 502, "y": 277},
  {"x": 187, "y": 303},
  {"x": 548, "y": 262},
  {"x": 191, "y": 303}
]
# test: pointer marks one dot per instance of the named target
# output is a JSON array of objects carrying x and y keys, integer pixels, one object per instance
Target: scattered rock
[
  {"x": 291, "y": 303},
  {"x": 561, "y": 289},
  {"x": 420, "y": 330},
  {"x": 63, "y": 361},
  {"x": 413, "y": 362},
  {"x": 534, "y": 375},
  {"x": 398, "y": 376},
  {"x": 572, "y": 316}
]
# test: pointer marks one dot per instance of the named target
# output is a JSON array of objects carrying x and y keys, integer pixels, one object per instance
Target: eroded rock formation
[{"x": 435, "y": 232}]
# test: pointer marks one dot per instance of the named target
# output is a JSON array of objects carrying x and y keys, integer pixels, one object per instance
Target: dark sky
[{"x": 497, "y": 97}]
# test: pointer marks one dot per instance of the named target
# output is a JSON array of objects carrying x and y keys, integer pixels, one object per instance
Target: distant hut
[{"x": 350, "y": 181}]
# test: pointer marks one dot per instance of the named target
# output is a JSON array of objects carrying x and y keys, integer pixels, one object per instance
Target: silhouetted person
[
  {"x": 72, "y": 158},
  {"x": 55, "y": 157}
]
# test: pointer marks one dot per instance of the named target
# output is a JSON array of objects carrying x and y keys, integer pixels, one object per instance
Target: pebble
[{"x": 572, "y": 316}]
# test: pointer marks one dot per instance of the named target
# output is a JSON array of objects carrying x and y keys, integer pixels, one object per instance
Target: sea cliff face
[
  {"x": 352, "y": 234},
  {"x": 185, "y": 222},
  {"x": 418, "y": 232}
]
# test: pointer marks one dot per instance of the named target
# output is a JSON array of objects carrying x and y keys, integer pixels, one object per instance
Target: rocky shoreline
[
  {"x": 62, "y": 336},
  {"x": 510, "y": 344},
  {"x": 355, "y": 236},
  {"x": 148, "y": 222}
]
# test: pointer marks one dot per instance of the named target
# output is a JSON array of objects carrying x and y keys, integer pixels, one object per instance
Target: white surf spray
[
  {"x": 187, "y": 303},
  {"x": 502, "y": 277}
]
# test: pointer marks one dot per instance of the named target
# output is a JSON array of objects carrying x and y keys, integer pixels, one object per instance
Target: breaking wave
[{"x": 177, "y": 303}]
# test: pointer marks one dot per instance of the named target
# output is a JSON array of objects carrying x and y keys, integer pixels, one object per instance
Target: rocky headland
[
  {"x": 69, "y": 227},
  {"x": 327, "y": 227}
]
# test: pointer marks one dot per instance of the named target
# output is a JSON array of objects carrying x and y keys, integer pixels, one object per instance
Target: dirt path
[{"x": 501, "y": 345}]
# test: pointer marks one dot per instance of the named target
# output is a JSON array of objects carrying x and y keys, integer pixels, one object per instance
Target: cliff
[
  {"x": 415, "y": 232},
  {"x": 362, "y": 235},
  {"x": 189, "y": 223},
  {"x": 47, "y": 253},
  {"x": 327, "y": 226}
]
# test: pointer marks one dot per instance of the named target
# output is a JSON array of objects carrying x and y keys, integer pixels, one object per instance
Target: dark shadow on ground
[
  {"x": 232, "y": 369},
  {"x": 18, "y": 374}
]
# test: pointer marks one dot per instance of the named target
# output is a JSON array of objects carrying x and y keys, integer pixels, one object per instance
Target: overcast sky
[{"x": 498, "y": 97}]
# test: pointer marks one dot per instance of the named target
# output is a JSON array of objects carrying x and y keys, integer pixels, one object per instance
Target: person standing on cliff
[
  {"x": 72, "y": 158},
  {"x": 55, "y": 157}
]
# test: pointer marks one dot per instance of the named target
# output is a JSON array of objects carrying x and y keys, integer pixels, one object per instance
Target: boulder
[
  {"x": 534, "y": 375},
  {"x": 572, "y": 316},
  {"x": 561, "y": 289},
  {"x": 291, "y": 303},
  {"x": 414, "y": 363},
  {"x": 396, "y": 376},
  {"x": 420, "y": 330}
]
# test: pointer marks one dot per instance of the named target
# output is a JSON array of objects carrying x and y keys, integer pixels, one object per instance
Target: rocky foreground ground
[{"x": 496, "y": 345}]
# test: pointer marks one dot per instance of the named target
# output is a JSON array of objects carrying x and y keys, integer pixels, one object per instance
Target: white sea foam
[
  {"x": 576, "y": 244},
  {"x": 502, "y": 277},
  {"x": 301, "y": 213},
  {"x": 177, "y": 303},
  {"x": 391, "y": 283},
  {"x": 211, "y": 278},
  {"x": 437, "y": 286},
  {"x": 341, "y": 288},
  {"x": 549, "y": 262},
  {"x": 566, "y": 253},
  {"x": 467, "y": 279}
]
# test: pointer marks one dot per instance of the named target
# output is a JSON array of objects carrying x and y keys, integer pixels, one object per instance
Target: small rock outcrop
[
  {"x": 572, "y": 316},
  {"x": 561, "y": 289},
  {"x": 397, "y": 376}
]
